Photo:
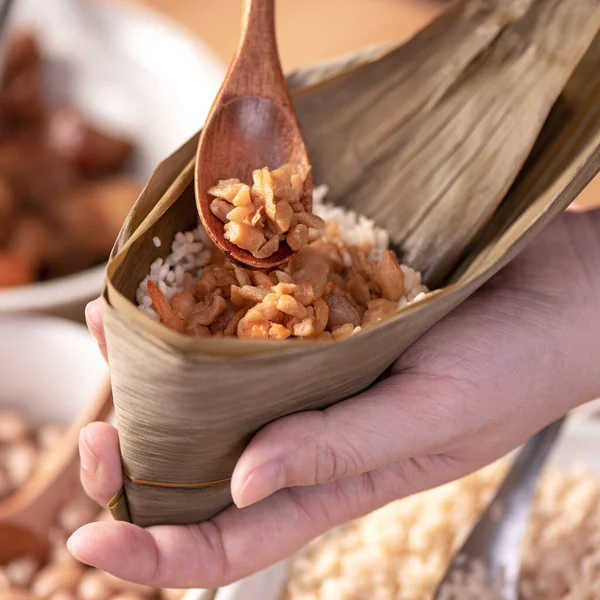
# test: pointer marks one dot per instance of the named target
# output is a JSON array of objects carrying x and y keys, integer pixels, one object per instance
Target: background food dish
[
  {"x": 69, "y": 372},
  {"x": 127, "y": 68}
]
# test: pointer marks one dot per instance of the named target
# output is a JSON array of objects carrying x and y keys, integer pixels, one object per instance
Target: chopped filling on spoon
[{"x": 261, "y": 217}]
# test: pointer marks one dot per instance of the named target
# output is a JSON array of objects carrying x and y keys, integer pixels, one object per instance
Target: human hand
[{"x": 517, "y": 355}]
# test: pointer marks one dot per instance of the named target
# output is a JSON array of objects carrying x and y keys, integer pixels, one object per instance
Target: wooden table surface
[{"x": 313, "y": 30}]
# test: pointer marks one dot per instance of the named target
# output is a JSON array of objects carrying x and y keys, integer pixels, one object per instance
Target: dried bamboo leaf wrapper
[
  {"x": 567, "y": 161},
  {"x": 450, "y": 127},
  {"x": 162, "y": 178},
  {"x": 186, "y": 407}
]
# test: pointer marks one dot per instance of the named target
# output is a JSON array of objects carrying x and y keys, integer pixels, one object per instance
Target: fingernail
[
  {"x": 262, "y": 482},
  {"x": 91, "y": 316},
  {"x": 87, "y": 458},
  {"x": 70, "y": 545},
  {"x": 73, "y": 544}
]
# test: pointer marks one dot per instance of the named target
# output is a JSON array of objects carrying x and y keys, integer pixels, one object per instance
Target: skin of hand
[{"x": 518, "y": 354}]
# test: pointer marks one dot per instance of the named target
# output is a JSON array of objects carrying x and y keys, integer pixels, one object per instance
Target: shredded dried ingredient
[{"x": 270, "y": 213}]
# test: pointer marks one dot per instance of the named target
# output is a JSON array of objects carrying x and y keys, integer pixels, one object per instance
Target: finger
[
  {"x": 239, "y": 542},
  {"x": 401, "y": 417},
  {"x": 100, "y": 471},
  {"x": 93, "y": 318}
]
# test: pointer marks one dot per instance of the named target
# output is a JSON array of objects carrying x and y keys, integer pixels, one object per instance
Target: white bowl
[
  {"x": 129, "y": 68},
  {"x": 50, "y": 368},
  {"x": 578, "y": 446}
]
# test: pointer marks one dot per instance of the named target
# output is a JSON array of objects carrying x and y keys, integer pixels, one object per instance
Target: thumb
[{"x": 385, "y": 424}]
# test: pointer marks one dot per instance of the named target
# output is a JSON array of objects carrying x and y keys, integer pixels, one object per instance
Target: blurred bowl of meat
[{"x": 93, "y": 96}]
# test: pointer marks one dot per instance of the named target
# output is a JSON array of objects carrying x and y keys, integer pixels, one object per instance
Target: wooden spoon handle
[{"x": 256, "y": 68}]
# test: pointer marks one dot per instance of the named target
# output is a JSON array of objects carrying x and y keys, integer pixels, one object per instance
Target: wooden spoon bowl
[
  {"x": 252, "y": 124},
  {"x": 27, "y": 515}
]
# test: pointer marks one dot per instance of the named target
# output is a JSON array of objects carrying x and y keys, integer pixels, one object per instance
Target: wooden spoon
[
  {"x": 252, "y": 124},
  {"x": 27, "y": 515}
]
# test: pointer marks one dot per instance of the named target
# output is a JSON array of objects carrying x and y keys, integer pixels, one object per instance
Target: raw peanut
[
  {"x": 20, "y": 571},
  {"x": 76, "y": 514},
  {"x": 94, "y": 586},
  {"x": 13, "y": 427},
  {"x": 56, "y": 577},
  {"x": 48, "y": 435},
  {"x": 20, "y": 460},
  {"x": 59, "y": 553}
]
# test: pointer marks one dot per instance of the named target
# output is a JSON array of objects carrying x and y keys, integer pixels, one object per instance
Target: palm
[{"x": 475, "y": 386}]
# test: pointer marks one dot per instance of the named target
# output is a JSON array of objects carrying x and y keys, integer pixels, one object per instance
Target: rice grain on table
[{"x": 190, "y": 253}]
